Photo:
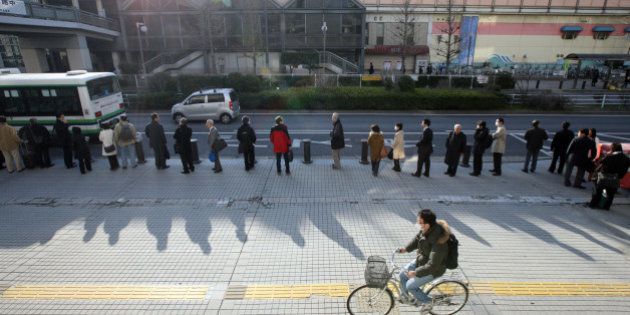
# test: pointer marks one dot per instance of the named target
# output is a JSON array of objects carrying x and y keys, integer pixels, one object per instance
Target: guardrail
[
  {"x": 333, "y": 59},
  {"x": 68, "y": 14},
  {"x": 583, "y": 100}
]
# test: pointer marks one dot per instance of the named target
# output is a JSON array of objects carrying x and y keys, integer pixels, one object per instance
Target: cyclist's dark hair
[
  {"x": 427, "y": 216},
  {"x": 427, "y": 121}
]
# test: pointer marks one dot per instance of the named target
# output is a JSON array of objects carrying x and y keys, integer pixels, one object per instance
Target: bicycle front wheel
[
  {"x": 366, "y": 300},
  {"x": 448, "y": 297}
]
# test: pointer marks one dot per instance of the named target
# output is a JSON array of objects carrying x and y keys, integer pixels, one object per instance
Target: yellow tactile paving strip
[
  {"x": 280, "y": 291},
  {"x": 105, "y": 292}
]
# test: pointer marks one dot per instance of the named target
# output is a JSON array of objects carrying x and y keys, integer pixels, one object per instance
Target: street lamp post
[
  {"x": 324, "y": 30},
  {"x": 140, "y": 27}
]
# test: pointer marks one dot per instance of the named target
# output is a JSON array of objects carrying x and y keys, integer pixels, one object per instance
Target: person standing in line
[
  {"x": 125, "y": 136},
  {"x": 279, "y": 137},
  {"x": 182, "y": 136},
  {"x": 157, "y": 141},
  {"x": 559, "y": 146},
  {"x": 498, "y": 145},
  {"x": 398, "y": 146},
  {"x": 246, "y": 143},
  {"x": 613, "y": 168},
  {"x": 425, "y": 149},
  {"x": 376, "y": 142},
  {"x": 81, "y": 150},
  {"x": 535, "y": 138},
  {"x": 337, "y": 141},
  {"x": 584, "y": 151},
  {"x": 482, "y": 142},
  {"x": 62, "y": 132},
  {"x": 10, "y": 146},
  {"x": 38, "y": 138},
  {"x": 371, "y": 70},
  {"x": 594, "y": 77},
  {"x": 106, "y": 136},
  {"x": 213, "y": 136},
  {"x": 455, "y": 146}
]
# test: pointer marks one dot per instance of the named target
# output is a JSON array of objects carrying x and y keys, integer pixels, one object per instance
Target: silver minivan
[{"x": 217, "y": 104}]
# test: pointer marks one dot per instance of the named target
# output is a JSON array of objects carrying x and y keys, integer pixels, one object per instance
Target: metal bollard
[
  {"x": 194, "y": 151},
  {"x": 364, "y": 152},
  {"x": 306, "y": 143},
  {"x": 537, "y": 84},
  {"x": 560, "y": 86},
  {"x": 140, "y": 152}
]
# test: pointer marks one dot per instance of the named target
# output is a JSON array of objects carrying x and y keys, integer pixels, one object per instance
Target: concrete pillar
[
  {"x": 34, "y": 60},
  {"x": 116, "y": 60},
  {"x": 100, "y": 9},
  {"x": 79, "y": 54}
]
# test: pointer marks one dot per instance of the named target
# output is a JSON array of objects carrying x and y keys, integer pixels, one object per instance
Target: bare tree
[
  {"x": 448, "y": 41},
  {"x": 252, "y": 37},
  {"x": 403, "y": 33}
]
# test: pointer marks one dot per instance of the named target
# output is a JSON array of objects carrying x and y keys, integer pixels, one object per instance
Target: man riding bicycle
[{"x": 429, "y": 264}]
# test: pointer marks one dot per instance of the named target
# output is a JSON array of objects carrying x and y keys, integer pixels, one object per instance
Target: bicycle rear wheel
[
  {"x": 366, "y": 300},
  {"x": 448, "y": 297}
]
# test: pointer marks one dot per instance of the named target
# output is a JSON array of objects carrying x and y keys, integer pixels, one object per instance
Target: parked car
[{"x": 217, "y": 104}]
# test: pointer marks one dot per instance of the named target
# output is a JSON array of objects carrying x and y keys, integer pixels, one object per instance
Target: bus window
[
  {"x": 45, "y": 101},
  {"x": 11, "y": 103},
  {"x": 99, "y": 88}
]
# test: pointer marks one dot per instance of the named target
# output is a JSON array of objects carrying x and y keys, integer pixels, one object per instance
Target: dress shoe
[
  {"x": 524, "y": 171},
  {"x": 415, "y": 174},
  {"x": 532, "y": 171},
  {"x": 474, "y": 174},
  {"x": 451, "y": 175},
  {"x": 426, "y": 174},
  {"x": 579, "y": 187},
  {"x": 568, "y": 184},
  {"x": 447, "y": 173},
  {"x": 288, "y": 172},
  {"x": 496, "y": 174},
  {"x": 185, "y": 172},
  {"x": 492, "y": 171},
  {"x": 218, "y": 171}
]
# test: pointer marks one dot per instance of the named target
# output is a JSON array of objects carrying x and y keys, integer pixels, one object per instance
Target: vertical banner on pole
[{"x": 468, "y": 35}]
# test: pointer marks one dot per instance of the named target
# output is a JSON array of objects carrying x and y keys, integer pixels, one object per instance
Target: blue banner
[{"x": 468, "y": 39}]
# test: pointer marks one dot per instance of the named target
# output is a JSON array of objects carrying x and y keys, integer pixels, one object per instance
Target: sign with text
[{"x": 12, "y": 7}]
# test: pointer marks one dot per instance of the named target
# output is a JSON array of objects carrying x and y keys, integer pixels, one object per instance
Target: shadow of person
[
  {"x": 159, "y": 224},
  {"x": 330, "y": 226},
  {"x": 238, "y": 219},
  {"x": 115, "y": 221},
  {"x": 91, "y": 225},
  {"x": 23, "y": 226},
  {"x": 198, "y": 228}
]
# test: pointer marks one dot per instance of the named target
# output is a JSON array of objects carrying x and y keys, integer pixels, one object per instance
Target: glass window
[
  {"x": 295, "y": 23},
  {"x": 49, "y": 101},
  {"x": 217, "y": 26},
  {"x": 569, "y": 35},
  {"x": 314, "y": 24},
  {"x": 273, "y": 21},
  {"x": 234, "y": 24},
  {"x": 171, "y": 25},
  {"x": 191, "y": 24},
  {"x": 197, "y": 99},
  {"x": 99, "y": 88},
  {"x": 600, "y": 35},
  {"x": 351, "y": 24},
  {"x": 11, "y": 103},
  {"x": 233, "y": 97},
  {"x": 215, "y": 98}
]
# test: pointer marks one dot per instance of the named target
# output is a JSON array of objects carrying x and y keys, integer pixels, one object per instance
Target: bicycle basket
[{"x": 376, "y": 273}]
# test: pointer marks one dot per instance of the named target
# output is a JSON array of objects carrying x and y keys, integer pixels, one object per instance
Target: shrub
[
  {"x": 388, "y": 83},
  {"x": 504, "y": 81},
  {"x": 428, "y": 81},
  {"x": 349, "y": 81},
  {"x": 152, "y": 101},
  {"x": 463, "y": 82},
  {"x": 406, "y": 84},
  {"x": 162, "y": 82},
  {"x": 545, "y": 101},
  {"x": 244, "y": 83}
]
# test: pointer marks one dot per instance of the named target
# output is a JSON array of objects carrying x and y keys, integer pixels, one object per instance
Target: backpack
[
  {"x": 246, "y": 138},
  {"x": 489, "y": 140},
  {"x": 453, "y": 254},
  {"x": 125, "y": 133}
]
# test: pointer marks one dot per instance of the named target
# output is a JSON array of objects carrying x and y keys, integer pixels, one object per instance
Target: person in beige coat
[
  {"x": 10, "y": 146},
  {"x": 498, "y": 145},
  {"x": 376, "y": 142},
  {"x": 398, "y": 146}
]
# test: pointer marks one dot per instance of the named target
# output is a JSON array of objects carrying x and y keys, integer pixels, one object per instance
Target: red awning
[{"x": 397, "y": 49}]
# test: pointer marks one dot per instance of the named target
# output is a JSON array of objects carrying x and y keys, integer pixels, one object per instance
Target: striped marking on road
[{"x": 297, "y": 291}]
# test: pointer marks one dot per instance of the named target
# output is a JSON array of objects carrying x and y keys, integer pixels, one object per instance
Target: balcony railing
[{"x": 67, "y": 14}]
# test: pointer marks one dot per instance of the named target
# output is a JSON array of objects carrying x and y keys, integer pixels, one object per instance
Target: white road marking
[
  {"x": 614, "y": 137},
  {"x": 544, "y": 151}
]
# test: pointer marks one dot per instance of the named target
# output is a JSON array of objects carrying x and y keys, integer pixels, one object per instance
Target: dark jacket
[
  {"x": 583, "y": 150},
  {"x": 535, "y": 138},
  {"x": 432, "y": 250},
  {"x": 246, "y": 138},
  {"x": 481, "y": 139},
  {"x": 80, "y": 146},
  {"x": 155, "y": 132},
  {"x": 337, "y": 140},
  {"x": 279, "y": 137},
  {"x": 425, "y": 145},
  {"x": 35, "y": 134},
  {"x": 62, "y": 132},
  {"x": 616, "y": 163},
  {"x": 182, "y": 136},
  {"x": 455, "y": 146},
  {"x": 561, "y": 140}
]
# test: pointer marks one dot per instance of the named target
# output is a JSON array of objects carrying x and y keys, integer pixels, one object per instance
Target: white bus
[{"x": 87, "y": 99}]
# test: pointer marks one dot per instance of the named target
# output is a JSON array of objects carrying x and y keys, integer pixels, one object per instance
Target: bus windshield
[{"x": 99, "y": 88}]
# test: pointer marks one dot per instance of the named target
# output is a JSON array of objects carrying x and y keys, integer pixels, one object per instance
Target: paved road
[{"x": 316, "y": 127}]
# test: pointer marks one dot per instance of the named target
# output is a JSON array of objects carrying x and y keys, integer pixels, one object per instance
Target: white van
[{"x": 218, "y": 104}]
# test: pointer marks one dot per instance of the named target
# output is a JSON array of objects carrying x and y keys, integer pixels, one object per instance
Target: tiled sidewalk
[{"x": 164, "y": 230}]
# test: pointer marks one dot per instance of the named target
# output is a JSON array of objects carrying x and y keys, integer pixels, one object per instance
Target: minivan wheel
[
  {"x": 225, "y": 118},
  {"x": 177, "y": 117}
]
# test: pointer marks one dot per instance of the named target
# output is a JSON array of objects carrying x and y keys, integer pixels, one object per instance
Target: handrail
[
  {"x": 165, "y": 59},
  {"x": 336, "y": 60},
  {"x": 69, "y": 14}
]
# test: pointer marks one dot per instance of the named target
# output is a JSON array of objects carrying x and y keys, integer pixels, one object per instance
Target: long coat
[
  {"x": 432, "y": 250},
  {"x": 561, "y": 141},
  {"x": 155, "y": 133},
  {"x": 246, "y": 136},
  {"x": 9, "y": 139},
  {"x": 213, "y": 136},
  {"x": 583, "y": 150},
  {"x": 535, "y": 138},
  {"x": 455, "y": 146},
  {"x": 399, "y": 145},
  {"x": 280, "y": 138},
  {"x": 337, "y": 140},
  {"x": 107, "y": 138},
  {"x": 376, "y": 142},
  {"x": 500, "y": 137},
  {"x": 481, "y": 138},
  {"x": 182, "y": 137}
]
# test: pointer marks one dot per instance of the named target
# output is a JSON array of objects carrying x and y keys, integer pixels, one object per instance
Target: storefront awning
[
  {"x": 571, "y": 28},
  {"x": 607, "y": 29}
]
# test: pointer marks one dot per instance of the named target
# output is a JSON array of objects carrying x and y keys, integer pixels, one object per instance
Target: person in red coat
[{"x": 281, "y": 141}]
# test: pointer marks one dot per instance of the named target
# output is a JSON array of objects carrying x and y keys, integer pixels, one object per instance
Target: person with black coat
[
  {"x": 615, "y": 167},
  {"x": 584, "y": 151},
  {"x": 535, "y": 138},
  {"x": 246, "y": 139},
  {"x": 157, "y": 141},
  {"x": 38, "y": 139},
  {"x": 81, "y": 150},
  {"x": 455, "y": 146},
  {"x": 425, "y": 149},
  {"x": 337, "y": 141},
  {"x": 182, "y": 136},
  {"x": 64, "y": 138},
  {"x": 559, "y": 146},
  {"x": 482, "y": 140}
]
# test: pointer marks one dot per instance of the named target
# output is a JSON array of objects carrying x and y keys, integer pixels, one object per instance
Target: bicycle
[{"x": 448, "y": 295}]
